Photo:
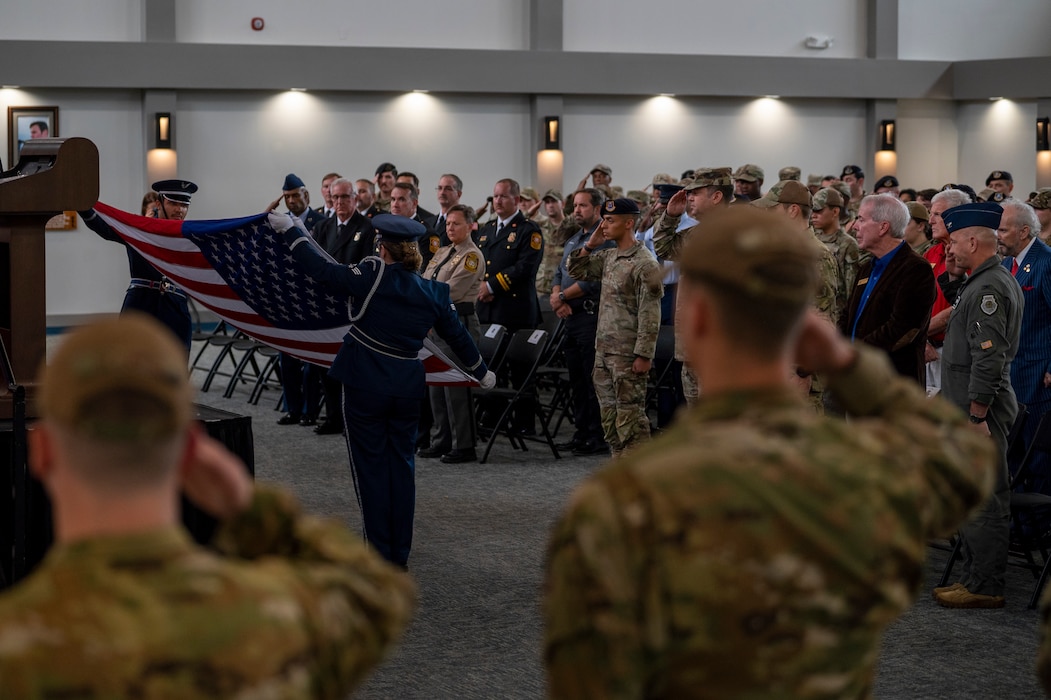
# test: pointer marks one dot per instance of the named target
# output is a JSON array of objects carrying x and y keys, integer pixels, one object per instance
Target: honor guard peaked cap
[
  {"x": 292, "y": 182},
  {"x": 620, "y": 205},
  {"x": 983, "y": 214},
  {"x": 175, "y": 190},
  {"x": 753, "y": 253},
  {"x": 397, "y": 228},
  {"x": 132, "y": 355}
]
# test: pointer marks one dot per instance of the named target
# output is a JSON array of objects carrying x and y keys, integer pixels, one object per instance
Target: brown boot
[
  {"x": 945, "y": 589},
  {"x": 963, "y": 598}
]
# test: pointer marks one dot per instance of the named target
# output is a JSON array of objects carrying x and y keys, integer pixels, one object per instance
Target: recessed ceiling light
[
  {"x": 298, "y": 89},
  {"x": 421, "y": 92}
]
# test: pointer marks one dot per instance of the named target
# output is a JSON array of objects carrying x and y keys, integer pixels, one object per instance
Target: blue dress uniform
[
  {"x": 150, "y": 291},
  {"x": 391, "y": 309}
]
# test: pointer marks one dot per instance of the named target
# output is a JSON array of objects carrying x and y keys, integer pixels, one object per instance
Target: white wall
[
  {"x": 71, "y": 20},
  {"x": 460, "y": 24},
  {"x": 950, "y": 30},
  {"x": 997, "y": 135},
  {"x": 638, "y": 138},
  {"x": 752, "y": 28},
  {"x": 928, "y": 149}
]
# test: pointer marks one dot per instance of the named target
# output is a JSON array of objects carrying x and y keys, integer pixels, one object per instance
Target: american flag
[{"x": 242, "y": 270}]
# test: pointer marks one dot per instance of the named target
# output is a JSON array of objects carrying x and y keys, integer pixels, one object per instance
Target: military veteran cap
[
  {"x": 886, "y": 181},
  {"x": 827, "y": 197},
  {"x": 984, "y": 214},
  {"x": 754, "y": 254},
  {"x": 789, "y": 173},
  {"x": 1041, "y": 199},
  {"x": 666, "y": 191},
  {"x": 397, "y": 228},
  {"x": 749, "y": 172},
  {"x": 852, "y": 170},
  {"x": 638, "y": 196},
  {"x": 710, "y": 177},
  {"x": 131, "y": 355},
  {"x": 292, "y": 182},
  {"x": 918, "y": 211},
  {"x": 175, "y": 190},
  {"x": 552, "y": 194},
  {"x": 998, "y": 175},
  {"x": 602, "y": 169},
  {"x": 620, "y": 205}
]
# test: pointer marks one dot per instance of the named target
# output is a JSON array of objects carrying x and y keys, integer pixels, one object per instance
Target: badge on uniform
[
  {"x": 536, "y": 241},
  {"x": 511, "y": 238},
  {"x": 357, "y": 236},
  {"x": 1026, "y": 268},
  {"x": 470, "y": 263},
  {"x": 989, "y": 305}
]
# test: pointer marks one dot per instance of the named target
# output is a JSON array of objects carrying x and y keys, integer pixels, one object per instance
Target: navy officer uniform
[
  {"x": 391, "y": 310},
  {"x": 150, "y": 291}
]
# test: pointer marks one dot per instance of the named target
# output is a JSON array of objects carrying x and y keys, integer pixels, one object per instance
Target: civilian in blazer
[
  {"x": 349, "y": 238},
  {"x": 890, "y": 305},
  {"x": 1029, "y": 260}
]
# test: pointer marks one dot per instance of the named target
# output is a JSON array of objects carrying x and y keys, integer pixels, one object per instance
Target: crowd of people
[{"x": 759, "y": 546}]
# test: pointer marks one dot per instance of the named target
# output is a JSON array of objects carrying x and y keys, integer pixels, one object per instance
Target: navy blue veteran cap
[
  {"x": 292, "y": 182},
  {"x": 852, "y": 170},
  {"x": 665, "y": 191},
  {"x": 620, "y": 205},
  {"x": 984, "y": 214},
  {"x": 175, "y": 190},
  {"x": 397, "y": 228}
]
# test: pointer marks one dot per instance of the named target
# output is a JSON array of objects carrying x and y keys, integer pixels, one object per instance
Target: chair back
[{"x": 492, "y": 343}]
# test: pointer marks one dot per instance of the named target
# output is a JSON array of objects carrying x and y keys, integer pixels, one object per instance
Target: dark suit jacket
[
  {"x": 1034, "y": 346},
  {"x": 429, "y": 242},
  {"x": 312, "y": 218},
  {"x": 897, "y": 313},
  {"x": 357, "y": 241},
  {"x": 512, "y": 257}
]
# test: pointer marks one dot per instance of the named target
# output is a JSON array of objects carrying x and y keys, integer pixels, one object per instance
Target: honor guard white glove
[
  {"x": 280, "y": 222},
  {"x": 488, "y": 381}
]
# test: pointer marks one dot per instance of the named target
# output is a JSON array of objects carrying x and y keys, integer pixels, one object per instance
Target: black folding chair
[
  {"x": 526, "y": 349},
  {"x": 492, "y": 343}
]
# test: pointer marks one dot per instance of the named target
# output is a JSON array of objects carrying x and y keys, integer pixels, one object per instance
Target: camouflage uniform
[
  {"x": 555, "y": 236},
  {"x": 299, "y": 609},
  {"x": 628, "y": 320},
  {"x": 828, "y": 299},
  {"x": 846, "y": 254},
  {"x": 668, "y": 242},
  {"x": 758, "y": 549}
]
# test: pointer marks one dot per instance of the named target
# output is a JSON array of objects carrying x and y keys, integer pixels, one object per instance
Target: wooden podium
[{"x": 52, "y": 176}]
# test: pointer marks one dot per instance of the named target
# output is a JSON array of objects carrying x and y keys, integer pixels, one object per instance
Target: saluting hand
[
  {"x": 677, "y": 204},
  {"x": 214, "y": 478}
]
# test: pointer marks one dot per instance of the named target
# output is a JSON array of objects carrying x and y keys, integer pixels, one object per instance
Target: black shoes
[
  {"x": 570, "y": 445},
  {"x": 460, "y": 456},
  {"x": 591, "y": 447},
  {"x": 289, "y": 419},
  {"x": 308, "y": 420},
  {"x": 329, "y": 428},
  {"x": 430, "y": 452}
]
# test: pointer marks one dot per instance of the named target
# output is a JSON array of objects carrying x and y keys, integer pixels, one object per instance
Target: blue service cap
[
  {"x": 397, "y": 228},
  {"x": 666, "y": 192},
  {"x": 620, "y": 205},
  {"x": 175, "y": 190},
  {"x": 984, "y": 214},
  {"x": 292, "y": 182}
]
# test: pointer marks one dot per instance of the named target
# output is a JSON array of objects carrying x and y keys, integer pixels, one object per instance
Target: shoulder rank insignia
[
  {"x": 536, "y": 241},
  {"x": 989, "y": 305},
  {"x": 511, "y": 237},
  {"x": 481, "y": 239},
  {"x": 435, "y": 244},
  {"x": 470, "y": 263}
]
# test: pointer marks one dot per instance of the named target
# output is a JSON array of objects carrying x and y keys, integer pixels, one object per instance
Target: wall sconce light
[
  {"x": 552, "y": 134},
  {"x": 1043, "y": 134},
  {"x": 164, "y": 130},
  {"x": 887, "y": 137}
]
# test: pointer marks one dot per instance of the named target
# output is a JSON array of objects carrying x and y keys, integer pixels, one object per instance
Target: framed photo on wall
[{"x": 27, "y": 123}]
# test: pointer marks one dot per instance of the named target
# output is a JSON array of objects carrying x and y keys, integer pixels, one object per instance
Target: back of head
[
  {"x": 119, "y": 391},
  {"x": 760, "y": 271}
]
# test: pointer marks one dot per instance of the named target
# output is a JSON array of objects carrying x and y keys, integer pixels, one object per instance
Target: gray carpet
[{"x": 477, "y": 557}]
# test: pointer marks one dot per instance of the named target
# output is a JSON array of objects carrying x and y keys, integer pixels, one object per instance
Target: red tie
[{"x": 1014, "y": 267}]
